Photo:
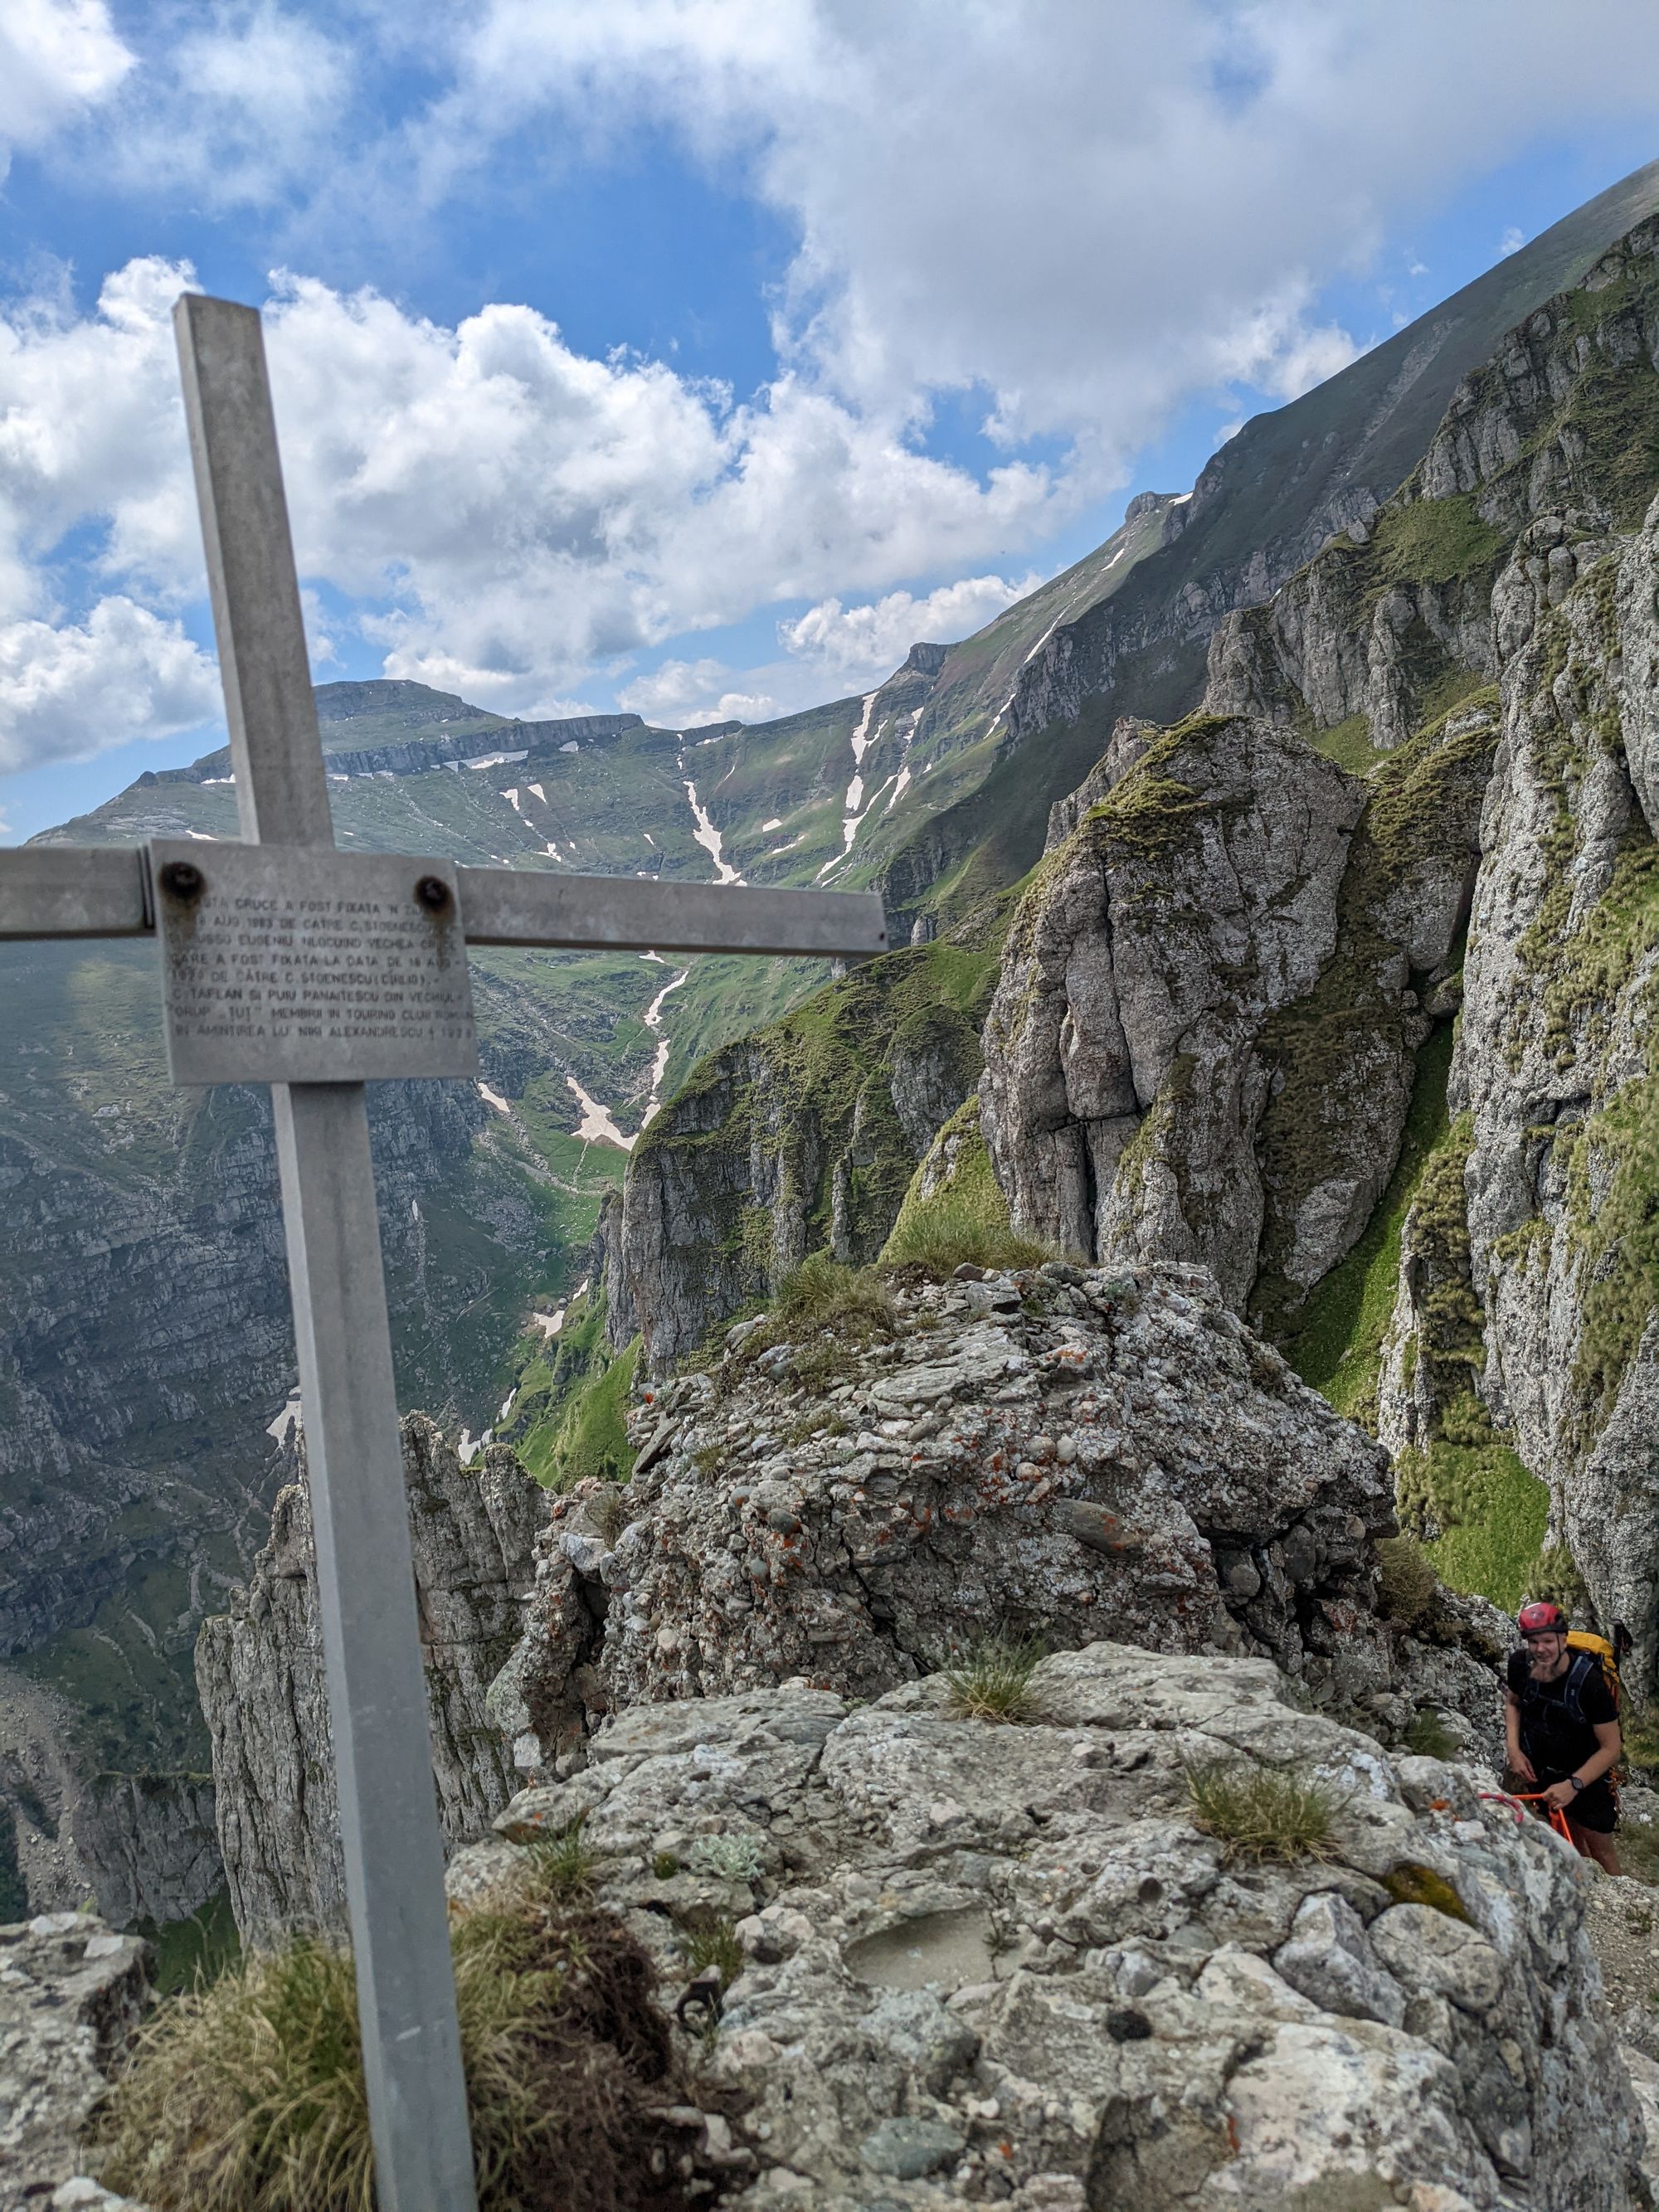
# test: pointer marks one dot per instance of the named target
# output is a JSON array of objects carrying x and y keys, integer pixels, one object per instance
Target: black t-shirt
[{"x": 1557, "y": 1744}]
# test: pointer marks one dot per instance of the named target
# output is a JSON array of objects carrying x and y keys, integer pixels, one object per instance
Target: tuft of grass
[
  {"x": 607, "y": 1513},
  {"x": 1429, "y": 1736},
  {"x": 830, "y": 1313},
  {"x": 958, "y": 1229},
  {"x": 964, "y": 1221},
  {"x": 564, "y": 1863},
  {"x": 248, "y": 2096},
  {"x": 823, "y": 1294},
  {"x": 715, "y": 1946},
  {"x": 1262, "y": 1813},
  {"x": 994, "y": 1682},
  {"x": 665, "y": 1866},
  {"x": 1408, "y": 1587}
]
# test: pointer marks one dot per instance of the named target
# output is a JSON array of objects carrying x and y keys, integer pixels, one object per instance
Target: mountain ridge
[{"x": 490, "y": 1194}]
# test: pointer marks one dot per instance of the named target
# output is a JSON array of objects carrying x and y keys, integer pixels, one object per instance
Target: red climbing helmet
[{"x": 1542, "y": 1618}]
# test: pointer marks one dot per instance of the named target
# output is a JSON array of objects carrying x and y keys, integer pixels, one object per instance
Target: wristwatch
[{"x": 1575, "y": 1784}]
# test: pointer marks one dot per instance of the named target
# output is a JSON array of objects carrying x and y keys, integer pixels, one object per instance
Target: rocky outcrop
[
  {"x": 71, "y": 1994},
  {"x": 1048, "y": 1453},
  {"x": 259, "y": 1669},
  {"x": 802, "y": 1136},
  {"x": 149, "y": 1844},
  {"x": 1009, "y": 1964}
]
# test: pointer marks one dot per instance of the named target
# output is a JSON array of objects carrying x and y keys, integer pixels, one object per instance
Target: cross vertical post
[{"x": 365, "y": 1567}]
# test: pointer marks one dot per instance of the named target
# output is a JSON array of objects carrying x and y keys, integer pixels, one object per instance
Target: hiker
[{"x": 1561, "y": 1725}]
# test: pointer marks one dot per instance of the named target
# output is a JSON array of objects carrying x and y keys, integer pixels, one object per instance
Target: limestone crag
[
  {"x": 1556, "y": 1066},
  {"x": 1059, "y": 1452},
  {"x": 71, "y": 1994},
  {"x": 1194, "y": 900},
  {"x": 1005, "y": 1964},
  {"x": 260, "y": 1670},
  {"x": 149, "y": 1844}
]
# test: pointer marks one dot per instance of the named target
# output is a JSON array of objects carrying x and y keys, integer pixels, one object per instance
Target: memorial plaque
[{"x": 292, "y": 964}]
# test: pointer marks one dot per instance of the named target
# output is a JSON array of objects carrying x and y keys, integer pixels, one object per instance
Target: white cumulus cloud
[
  {"x": 58, "y": 58},
  {"x": 234, "y": 110},
  {"x": 69, "y": 690},
  {"x": 504, "y": 511},
  {"x": 689, "y": 694},
  {"x": 1083, "y": 213},
  {"x": 865, "y": 643}
]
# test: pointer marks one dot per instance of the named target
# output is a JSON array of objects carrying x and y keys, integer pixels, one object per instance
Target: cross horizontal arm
[
  {"x": 98, "y": 891},
  {"x": 525, "y": 906},
  {"x": 75, "y": 891}
]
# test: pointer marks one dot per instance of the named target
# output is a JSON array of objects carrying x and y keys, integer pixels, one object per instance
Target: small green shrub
[
  {"x": 1408, "y": 1586},
  {"x": 1429, "y": 1736},
  {"x": 248, "y": 2096},
  {"x": 665, "y": 1866},
  {"x": 1261, "y": 1813},
  {"x": 732, "y": 1858},
  {"x": 994, "y": 1682},
  {"x": 716, "y": 1947}
]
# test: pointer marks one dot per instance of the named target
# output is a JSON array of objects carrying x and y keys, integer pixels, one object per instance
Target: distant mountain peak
[{"x": 410, "y": 702}]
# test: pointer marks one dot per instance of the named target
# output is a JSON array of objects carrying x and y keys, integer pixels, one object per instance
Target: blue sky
[{"x": 695, "y": 355}]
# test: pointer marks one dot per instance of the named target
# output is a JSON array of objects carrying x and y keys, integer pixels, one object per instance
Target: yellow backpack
[{"x": 1596, "y": 1650}]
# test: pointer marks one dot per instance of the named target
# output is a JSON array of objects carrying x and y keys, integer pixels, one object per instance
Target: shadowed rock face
[
  {"x": 1050, "y": 1453},
  {"x": 260, "y": 1670},
  {"x": 149, "y": 1844},
  {"x": 1005, "y": 1964}
]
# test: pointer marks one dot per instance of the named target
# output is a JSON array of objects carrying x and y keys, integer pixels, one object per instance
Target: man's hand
[
  {"x": 1559, "y": 1797},
  {"x": 1521, "y": 1766}
]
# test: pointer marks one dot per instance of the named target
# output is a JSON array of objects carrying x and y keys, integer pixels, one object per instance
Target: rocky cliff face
[
  {"x": 1202, "y": 1041},
  {"x": 1049, "y": 1453},
  {"x": 260, "y": 1670},
  {"x": 802, "y": 1136},
  {"x": 149, "y": 1844},
  {"x": 1009, "y": 1964},
  {"x": 1551, "y": 1179}
]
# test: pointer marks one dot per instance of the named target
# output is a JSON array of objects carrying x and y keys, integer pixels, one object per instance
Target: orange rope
[{"x": 1558, "y": 1819}]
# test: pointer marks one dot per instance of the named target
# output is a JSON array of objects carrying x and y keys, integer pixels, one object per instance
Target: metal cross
[{"x": 220, "y": 905}]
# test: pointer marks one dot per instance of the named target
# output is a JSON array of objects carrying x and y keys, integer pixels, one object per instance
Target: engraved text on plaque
[{"x": 291, "y": 964}]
